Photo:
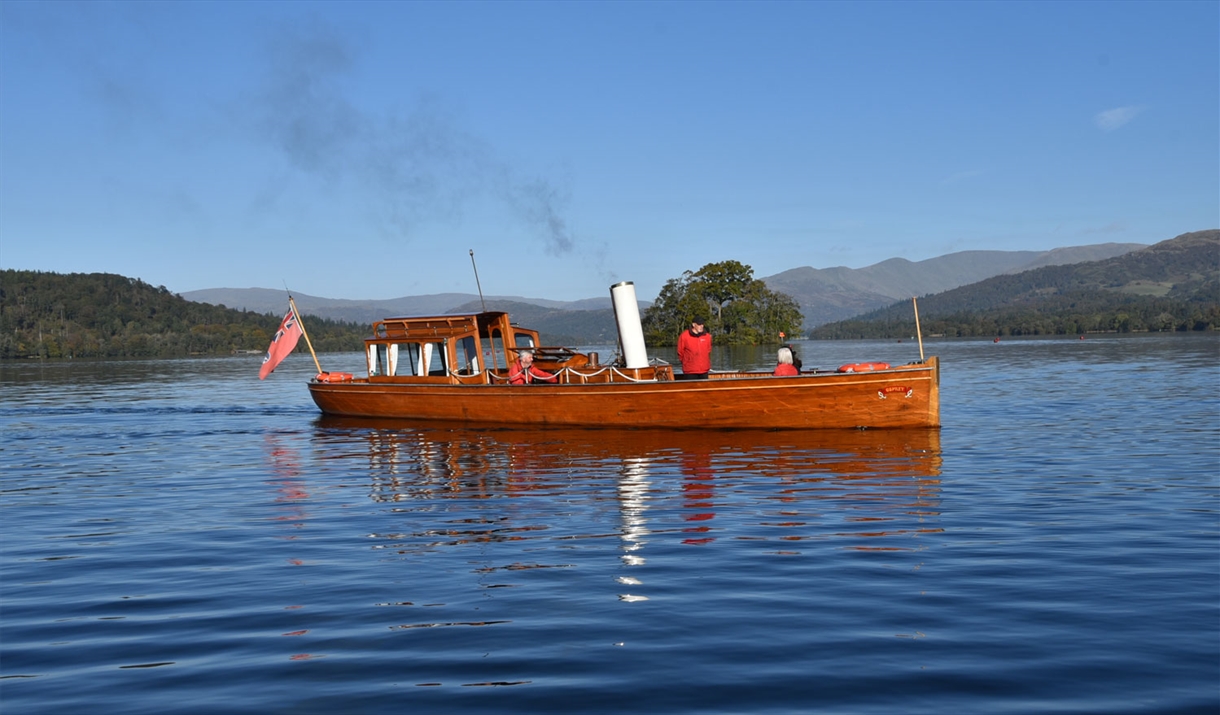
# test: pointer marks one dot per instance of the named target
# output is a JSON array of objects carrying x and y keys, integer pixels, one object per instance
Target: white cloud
[{"x": 1112, "y": 119}]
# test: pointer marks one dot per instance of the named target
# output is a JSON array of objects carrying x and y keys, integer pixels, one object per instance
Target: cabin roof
[
  {"x": 435, "y": 326},
  {"x": 426, "y": 316}
]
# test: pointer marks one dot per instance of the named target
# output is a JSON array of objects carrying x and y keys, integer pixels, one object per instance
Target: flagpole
[
  {"x": 476, "y": 280},
  {"x": 293, "y": 304}
]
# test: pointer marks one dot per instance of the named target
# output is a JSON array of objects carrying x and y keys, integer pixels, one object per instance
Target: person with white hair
[
  {"x": 523, "y": 371},
  {"x": 785, "y": 366}
]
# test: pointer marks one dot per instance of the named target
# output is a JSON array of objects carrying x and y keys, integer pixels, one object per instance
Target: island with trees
[{"x": 739, "y": 309}]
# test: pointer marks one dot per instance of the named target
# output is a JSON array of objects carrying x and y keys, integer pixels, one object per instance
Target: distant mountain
[
  {"x": 825, "y": 295},
  {"x": 557, "y": 326},
  {"x": 1172, "y": 285},
  {"x": 831, "y": 294},
  {"x": 263, "y": 300}
]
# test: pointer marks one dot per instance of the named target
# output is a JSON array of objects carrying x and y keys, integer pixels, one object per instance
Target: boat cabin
[{"x": 471, "y": 348}]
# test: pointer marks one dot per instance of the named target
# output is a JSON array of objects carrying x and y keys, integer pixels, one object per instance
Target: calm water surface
[{"x": 178, "y": 537}]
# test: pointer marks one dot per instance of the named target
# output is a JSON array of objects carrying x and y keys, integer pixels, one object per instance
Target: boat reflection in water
[{"x": 867, "y": 490}]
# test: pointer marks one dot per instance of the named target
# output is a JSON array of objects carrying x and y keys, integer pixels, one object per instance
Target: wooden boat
[{"x": 454, "y": 369}]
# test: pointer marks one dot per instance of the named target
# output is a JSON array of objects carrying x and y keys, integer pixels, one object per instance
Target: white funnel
[{"x": 630, "y": 331}]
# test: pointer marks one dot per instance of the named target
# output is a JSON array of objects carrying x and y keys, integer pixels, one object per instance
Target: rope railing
[
  {"x": 629, "y": 378},
  {"x": 613, "y": 371},
  {"x": 584, "y": 376}
]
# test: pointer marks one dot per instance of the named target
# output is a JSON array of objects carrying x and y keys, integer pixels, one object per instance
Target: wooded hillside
[
  {"x": 1170, "y": 286},
  {"x": 105, "y": 315},
  {"x": 830, "y": 294}
]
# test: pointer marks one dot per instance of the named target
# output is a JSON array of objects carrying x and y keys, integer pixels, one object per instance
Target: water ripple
[{"x": 181, "y": 538}]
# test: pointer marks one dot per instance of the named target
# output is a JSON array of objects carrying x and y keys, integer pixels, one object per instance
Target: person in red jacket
[
  {"x": 785, "y": 367},
  {"x": 523, "y": 371},
  {"x": 695, "y": 351}
]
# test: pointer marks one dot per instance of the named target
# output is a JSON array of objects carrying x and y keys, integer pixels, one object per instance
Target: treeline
[
  {"x": 54, "y": 315},
  {"x": 1067, "y": 314}
]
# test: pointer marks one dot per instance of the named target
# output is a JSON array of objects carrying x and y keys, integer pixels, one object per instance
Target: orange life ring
[
  {"x": 333, "y": 377},
  {"x": 863, "y": 366}
]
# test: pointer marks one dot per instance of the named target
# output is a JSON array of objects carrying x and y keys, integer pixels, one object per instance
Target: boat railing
[{"x": 602, "y": 375}]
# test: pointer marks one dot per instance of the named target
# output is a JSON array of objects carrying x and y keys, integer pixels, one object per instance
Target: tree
[{"x": 739, "y": 309}]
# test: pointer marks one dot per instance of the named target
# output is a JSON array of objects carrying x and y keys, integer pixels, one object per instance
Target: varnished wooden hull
[{"x": 905, "y": 396}]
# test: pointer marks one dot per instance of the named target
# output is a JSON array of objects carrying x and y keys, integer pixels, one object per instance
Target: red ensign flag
[{"x": 283, "y": 343}]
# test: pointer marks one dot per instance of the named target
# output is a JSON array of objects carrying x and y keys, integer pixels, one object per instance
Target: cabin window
[
  {"x": 467, "y": 356},
  {"x": 408, "y": 359},
  {"x": 373, "y": 362},
  {"x": 392, "y": 359},
  {"x": 413, "y": 362},
  {"x": 494, "y": 356},
  {"x": 418, "y": 359},
  {"x": 383, "y": 358},
  {"x": 432, "y": 359},
  {"x": 524, "y": 340}
]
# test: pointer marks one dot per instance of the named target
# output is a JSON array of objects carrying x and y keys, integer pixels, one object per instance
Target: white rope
[
  {"x": 630, "y": 378},
  {"x": 583, "y": 375}
]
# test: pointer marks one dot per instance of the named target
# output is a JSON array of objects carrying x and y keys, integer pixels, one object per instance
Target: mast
[
  {"x": 476, "y": 280},
  {"x": 292, "y": 303}
]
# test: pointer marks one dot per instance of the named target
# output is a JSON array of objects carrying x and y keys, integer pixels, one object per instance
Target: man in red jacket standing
[{"x": 695, "y": 351}]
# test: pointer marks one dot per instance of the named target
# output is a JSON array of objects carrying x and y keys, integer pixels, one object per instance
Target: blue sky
[{"x": 360, "y": 150}]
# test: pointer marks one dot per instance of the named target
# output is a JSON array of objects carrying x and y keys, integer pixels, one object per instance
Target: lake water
[{"x": 178, "y": 537}]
